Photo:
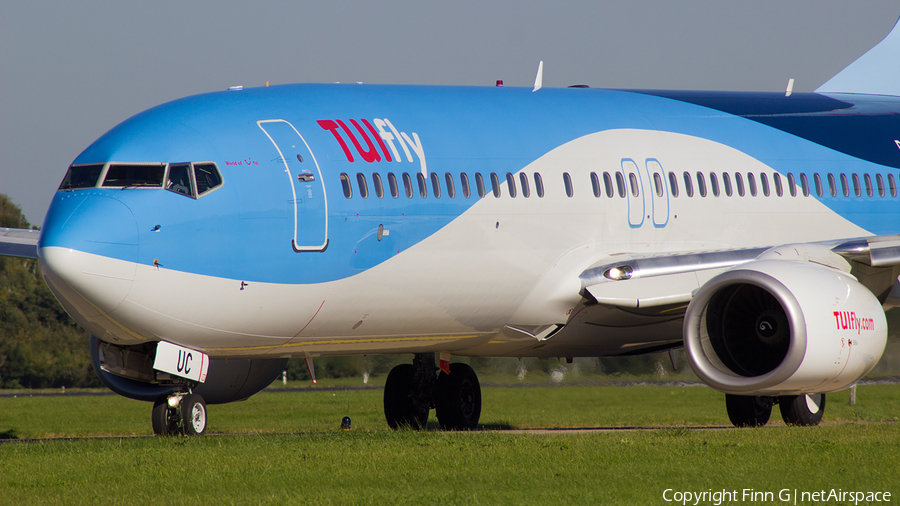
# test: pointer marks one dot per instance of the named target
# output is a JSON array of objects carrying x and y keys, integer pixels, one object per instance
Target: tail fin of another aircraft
[{"x": 875, "y": 73}]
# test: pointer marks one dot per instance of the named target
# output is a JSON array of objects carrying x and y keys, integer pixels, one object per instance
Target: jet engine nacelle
[
  {"x": 774, "y": 327},
  {"x": 127, "y": 371}
]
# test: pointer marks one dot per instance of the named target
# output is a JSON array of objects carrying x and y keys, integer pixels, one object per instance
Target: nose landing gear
[{"x": 181, "y": 413}]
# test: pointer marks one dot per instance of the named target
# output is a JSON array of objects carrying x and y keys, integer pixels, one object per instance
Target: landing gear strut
[
  {"x": 412, "y": 390},
  {"x": 179, "y": 414},
  {"x": 754, "y": 411}
]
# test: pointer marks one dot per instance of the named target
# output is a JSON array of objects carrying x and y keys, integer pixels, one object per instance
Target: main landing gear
[
  {"x": 411, "y": 390},
  {"x": 754, "y": 411},
  {"x": 181, "y": 413}
]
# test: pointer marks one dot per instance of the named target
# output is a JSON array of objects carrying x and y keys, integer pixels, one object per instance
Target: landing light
[{"x": 619, "y": 273}]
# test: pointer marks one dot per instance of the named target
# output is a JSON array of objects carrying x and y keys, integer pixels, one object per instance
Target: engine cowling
[
  {"x": 774, "y": 327},
  {"x": 128, "y": 371}
]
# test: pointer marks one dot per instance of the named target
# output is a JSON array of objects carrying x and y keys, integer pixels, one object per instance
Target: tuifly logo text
[
  {"x": 848, "y": 320},
  {"x": 362, "y": 133}
]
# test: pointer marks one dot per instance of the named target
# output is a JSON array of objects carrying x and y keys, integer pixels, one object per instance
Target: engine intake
[{"x": 773, "y": 327}]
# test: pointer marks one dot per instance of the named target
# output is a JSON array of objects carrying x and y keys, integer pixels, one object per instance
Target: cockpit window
[
  {"x": 179, "y": 179},
  {"x": 207, "y": 177},
  {"x": 193, "y": 180},
  {"x": 81, "y": 176},
  {"x": 148, "y": 176},
  {"x": 189, "y": 179}
]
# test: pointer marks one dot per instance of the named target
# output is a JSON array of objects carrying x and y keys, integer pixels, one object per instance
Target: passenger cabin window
[
  {"x": 495, "y": 184},
  {"x": 658, "y": 182},
  {"x": 379, "y": 187},
  {"x": 868, "y": 180},
  {"x": 362, "y": 184},
  {"x": 407, "y": 185},
  {"x": 511, "y": 184},
  {"x": 479, "y": 184},
  {"x": 817, "y": 181},
  {"x": 392, "y": 184},
  {"x": 856, "y": 189},
  {"x": 701, "y": 184},
  {"x": 435, "y": 185},
  {"x": 778, "y": 189},
  {"x": 539, "y": 185},
  {"x": 635, "y": 186},
  {"x": 673, "y": 184},
  {"x": 879, "y": 180},
  {"x": 526, "y": 190},
  {"x": 345, "y": 185},
  {"x": 892, "y": 185},
  {"x": 764, "y": 182},
  {"x": 81, "y": 176},
  {"x": 714, "y": 184},
  {"x": 832, "y": 187},
  {"x": 739, "y": 182},
  {"x": 129, "y": 176},
  {"x": 688, "y": 185},
  {"x": 726, "y": 181},
  {"x": 567, "y": 181},
  {"x": 804, "y": 185},
  {"x": 751, "y": 184},
  {"x": 464, "y": 181},
  {"x": 451, "y": 188},
  {"x": 179, "y": 179},
  {"x": 620, "y": 184},
  {"x": 845, "y": 188},
  {"x": 423, "y": 185},
  {"x": 595, "y": 184},
  {"x": 792, "y": 185},
  {"x": 607, "y": 182}
]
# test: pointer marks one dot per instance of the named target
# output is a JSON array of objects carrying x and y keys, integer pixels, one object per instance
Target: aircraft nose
[{"x": 88, "y": 249}]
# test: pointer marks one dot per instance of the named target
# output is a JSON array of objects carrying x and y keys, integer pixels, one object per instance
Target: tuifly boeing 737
[{"x": 206, "y": 241}]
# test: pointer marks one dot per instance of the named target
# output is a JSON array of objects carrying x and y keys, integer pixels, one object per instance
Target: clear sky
[{"x": 70, "y": 71}]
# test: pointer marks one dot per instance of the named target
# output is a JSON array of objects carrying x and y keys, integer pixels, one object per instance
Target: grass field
[{"x": 286, "y": 448}]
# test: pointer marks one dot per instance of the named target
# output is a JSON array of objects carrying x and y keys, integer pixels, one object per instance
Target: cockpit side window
[
  {"x": 189, "y": 179},
  {"x": 81, "y": 176},
  {"x": 126, "y": 175},
  {"x": 207, "y": 177},
  {"x": 179, "y": 179}
]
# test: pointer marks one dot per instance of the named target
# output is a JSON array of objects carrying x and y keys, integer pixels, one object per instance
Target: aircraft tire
[
  {"x": 802, "y": 410},
  {"x": 193, "y": 415},
  {"x": 748, "y": 411},
  {"x": 161, "y": 417},
  {"x": 399, "y": 410},
  {"x": 458, "y": 398}
]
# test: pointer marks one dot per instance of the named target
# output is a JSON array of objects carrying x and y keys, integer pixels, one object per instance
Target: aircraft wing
[
  {"x": 19, "y": 242},
  {"x": 649, "y": 281}
]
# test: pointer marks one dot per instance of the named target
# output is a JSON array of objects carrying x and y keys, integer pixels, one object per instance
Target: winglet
[
  {"x": 874, "y": 73},
  {"x": 539, "y": 79}
]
